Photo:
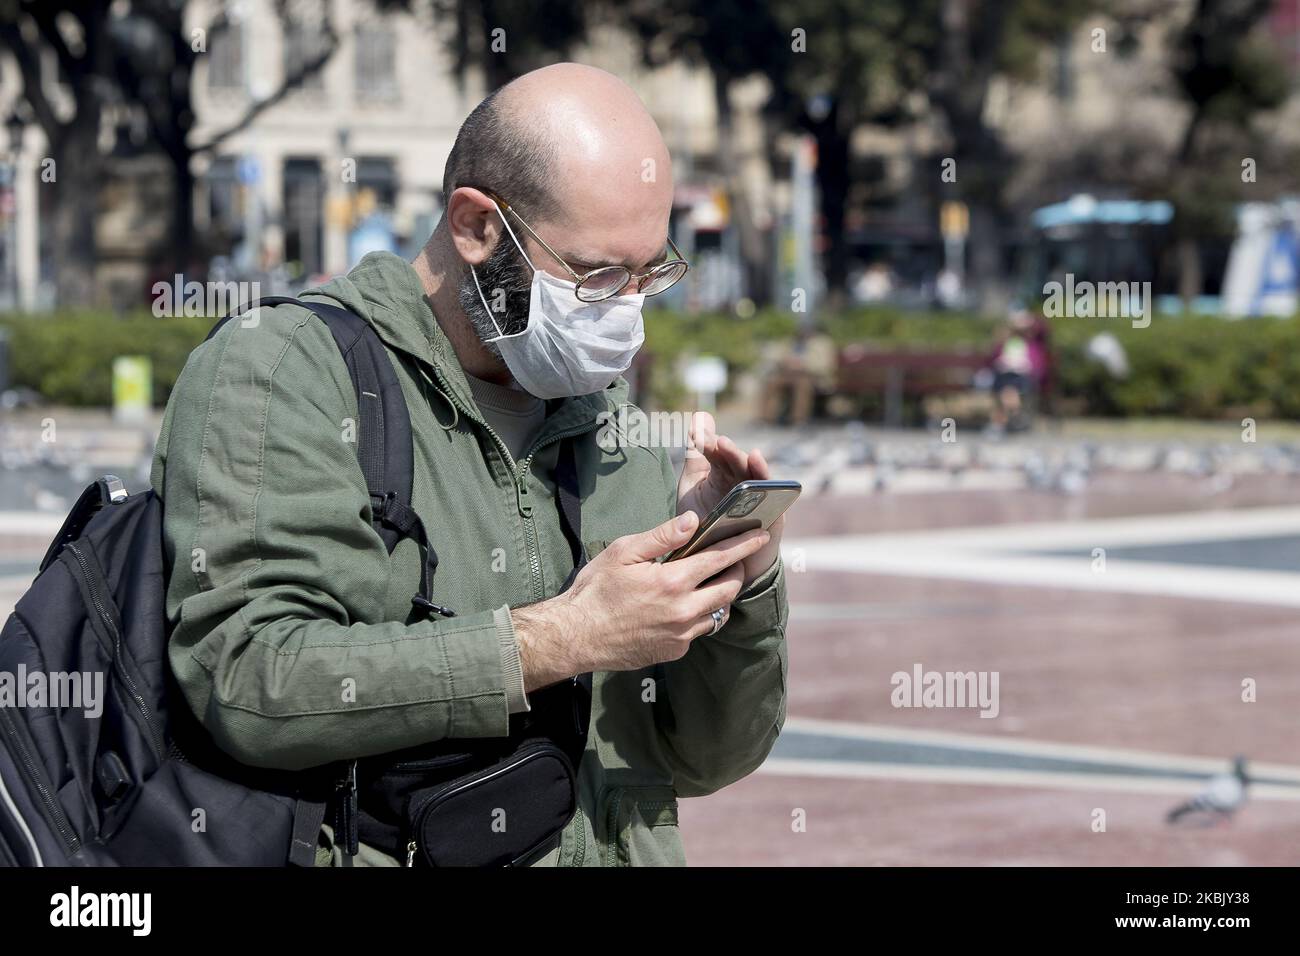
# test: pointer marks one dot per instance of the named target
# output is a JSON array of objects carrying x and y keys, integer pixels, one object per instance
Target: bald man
[{"x": 296, "y": 643}]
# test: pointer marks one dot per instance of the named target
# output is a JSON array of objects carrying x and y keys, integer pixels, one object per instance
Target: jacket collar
[{"x": 385, "y": 291}]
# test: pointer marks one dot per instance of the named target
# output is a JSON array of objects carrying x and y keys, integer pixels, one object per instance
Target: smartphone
[{"x": 749, "y": 505}]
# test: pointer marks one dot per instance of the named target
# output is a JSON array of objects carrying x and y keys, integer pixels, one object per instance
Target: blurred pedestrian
[
  {"x": 800, "y": 368},
  {"x": 1021, "y": 366}
]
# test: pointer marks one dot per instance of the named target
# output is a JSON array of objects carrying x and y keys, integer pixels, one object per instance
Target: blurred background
[{"x": 882, "y": 202}]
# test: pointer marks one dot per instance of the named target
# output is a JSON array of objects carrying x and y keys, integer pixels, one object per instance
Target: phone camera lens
[{"x": 745, "y": 504}]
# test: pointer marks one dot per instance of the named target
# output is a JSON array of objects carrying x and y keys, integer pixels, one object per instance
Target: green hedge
[
  {"x": 68, "y": 357},
  {"x": 1203, "y": 367},
  {"x": 1187, "y": 366}
]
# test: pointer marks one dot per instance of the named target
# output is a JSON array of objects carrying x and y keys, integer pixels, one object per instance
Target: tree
[
  {"x": 134, "y": 55},
  {"x": 1228, "y": 73},
  {"x": 503, "y": 39},
  {"x": 28, "y": 30},
  {"x": 979, "y": 41},
  {"x": 836, "y": 66},
  {"x": 731, "y": 39}
]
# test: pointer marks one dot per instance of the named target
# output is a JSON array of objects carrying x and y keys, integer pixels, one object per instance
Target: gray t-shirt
[{"x": 513, "y": 414}]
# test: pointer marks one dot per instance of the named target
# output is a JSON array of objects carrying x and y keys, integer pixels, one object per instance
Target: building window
[
  {"x": 225, "y": 207},
  {"x": 376, "y": 63},
  {"x": 304, "y": 198},
  {"x": 379, "y": 177},
  {"x": 226, "y": 58},
  {"x": 304, "y": 44}
]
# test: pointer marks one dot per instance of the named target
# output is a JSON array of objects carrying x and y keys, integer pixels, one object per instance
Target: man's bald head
[
  {"x": 560, "y": 137},
  {"x": 579, "y": 159}
]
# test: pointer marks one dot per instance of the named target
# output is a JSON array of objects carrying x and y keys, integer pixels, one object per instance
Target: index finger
[{"x": 718, "y": 557}]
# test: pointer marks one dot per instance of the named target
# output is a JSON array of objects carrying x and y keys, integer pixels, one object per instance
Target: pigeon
[{"x": 1223, "y": 796}]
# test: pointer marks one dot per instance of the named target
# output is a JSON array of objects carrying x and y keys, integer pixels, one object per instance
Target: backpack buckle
[
  {"x": 379, "y": 504},
  {"x": 111, "y": 489}
]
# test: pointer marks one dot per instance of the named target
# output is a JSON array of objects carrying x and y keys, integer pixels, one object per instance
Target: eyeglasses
[{"x": 607, "y": 281}]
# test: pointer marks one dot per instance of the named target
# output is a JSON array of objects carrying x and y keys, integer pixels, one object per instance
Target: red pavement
[{"x": 1100, "y": 669}]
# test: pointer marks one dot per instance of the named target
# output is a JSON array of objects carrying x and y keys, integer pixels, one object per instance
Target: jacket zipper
[
  {"x": 99, "y": 599},
  {"x": 525, "y": 508},
  {"x": 579, "y": 851},
  {"x": 522, "y": 470},
  {"x": 611, "y": 828},
  {"x": 34, "y": 774}
]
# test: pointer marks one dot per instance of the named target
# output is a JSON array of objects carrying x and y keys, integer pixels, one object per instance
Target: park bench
[{"x": 898, "y": 374}]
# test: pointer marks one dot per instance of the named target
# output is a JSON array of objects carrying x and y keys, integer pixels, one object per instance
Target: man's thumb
[{"x": 673, "y": 533}]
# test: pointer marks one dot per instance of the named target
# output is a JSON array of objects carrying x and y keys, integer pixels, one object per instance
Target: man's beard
[{"x": 506, "y": 280}]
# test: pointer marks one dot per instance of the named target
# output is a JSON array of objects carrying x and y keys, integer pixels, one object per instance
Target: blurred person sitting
[
  {"x": 1020, "y": 366},
  {"x": 799, "y": 368},
  {"x": 874, "y": 284}
]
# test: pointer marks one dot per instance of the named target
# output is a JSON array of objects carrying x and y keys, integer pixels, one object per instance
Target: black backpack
[{"x": 138, "y": 782}]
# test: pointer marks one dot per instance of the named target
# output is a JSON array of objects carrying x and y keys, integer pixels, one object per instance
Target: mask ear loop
[{"x": 518, "y": 245}]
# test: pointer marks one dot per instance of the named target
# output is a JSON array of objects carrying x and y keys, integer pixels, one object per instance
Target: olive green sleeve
[
  {"x": 724, "y": 701},
  {"x": 278, "y": 581}
]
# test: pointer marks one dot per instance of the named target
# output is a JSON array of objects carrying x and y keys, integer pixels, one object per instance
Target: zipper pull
[
  {"x": 521, "y": 492},
  {"x": 410, "y": 853}
]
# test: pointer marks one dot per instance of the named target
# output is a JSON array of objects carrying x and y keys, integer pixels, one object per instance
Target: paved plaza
[{"x": 1136, "y": 599}]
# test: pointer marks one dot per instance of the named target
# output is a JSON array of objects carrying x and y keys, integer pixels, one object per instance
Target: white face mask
[{"x": 569, "y": 347}]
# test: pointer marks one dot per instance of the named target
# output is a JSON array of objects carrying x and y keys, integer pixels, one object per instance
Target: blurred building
[
  {"x": 350, "y": 159},
  {"x": 358, "y": 147}
]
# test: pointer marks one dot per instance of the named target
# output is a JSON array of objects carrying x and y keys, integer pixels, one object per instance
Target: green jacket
[{"x": 294, "y": 639}]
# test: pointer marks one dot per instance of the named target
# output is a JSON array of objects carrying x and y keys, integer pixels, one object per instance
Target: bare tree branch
[
  {"x": 43, "y": 16},
  {"x": 29, "y": 66},
  {"x": 308, "y": 69}
]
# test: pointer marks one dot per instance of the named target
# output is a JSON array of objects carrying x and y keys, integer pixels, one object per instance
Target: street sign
[
  {"x": 247, "y": 170},
  {"x": 954, "y": 220},
  {"x": 706, "y": 376},
  {"x": 132, "y": 388}
]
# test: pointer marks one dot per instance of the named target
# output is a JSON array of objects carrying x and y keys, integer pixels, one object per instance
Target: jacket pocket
[{"x": 641, "y": 827}]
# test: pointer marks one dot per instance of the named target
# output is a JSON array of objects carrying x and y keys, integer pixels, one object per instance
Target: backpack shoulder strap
[{"x": 385, "y": 447}]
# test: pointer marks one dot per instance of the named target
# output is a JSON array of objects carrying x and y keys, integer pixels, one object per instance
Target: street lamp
[{"x": 14, "y": 125}]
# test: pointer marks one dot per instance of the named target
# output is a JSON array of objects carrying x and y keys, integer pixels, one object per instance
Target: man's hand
[
  {"x": 626, "y": 610},
  {"x": 715, "y": 465}
]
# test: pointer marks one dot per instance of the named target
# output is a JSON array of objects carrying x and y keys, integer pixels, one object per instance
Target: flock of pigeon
[{"x": 828, "y": 458}]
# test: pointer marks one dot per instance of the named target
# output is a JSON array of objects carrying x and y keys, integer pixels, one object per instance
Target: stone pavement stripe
[
  {"x": 31, "y": 522},
  {"x": 817, "y": 748},
  {"x": 1277, "y": 553},
  {"x": 861, "y": 554},
  {"x": 1201, "y": 766},
  {"x": 1136, "y": 530},
  {"x": 988, "y": 553},
  {"x": 839, "y": 769}
]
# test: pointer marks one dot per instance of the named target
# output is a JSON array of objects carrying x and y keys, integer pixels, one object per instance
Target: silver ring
[{"x": 719, "y": 616}]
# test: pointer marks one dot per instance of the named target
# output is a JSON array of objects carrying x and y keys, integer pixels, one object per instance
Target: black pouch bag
[
  {"x": 487, "y": 802},
  {"x": 497, "y": 802}
]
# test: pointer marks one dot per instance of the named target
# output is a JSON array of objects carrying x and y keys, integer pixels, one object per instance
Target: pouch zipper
[
  {"x": 101, "y": 600},
  {"x": 521, "y": 758}
]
